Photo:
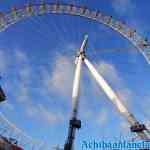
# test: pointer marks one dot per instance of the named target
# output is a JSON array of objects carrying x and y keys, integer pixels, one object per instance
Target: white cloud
[
  {"x": 85, "y": 111},
  {"x": 25, "y": 68},
  {"x": 22, "y": 94},
  {"x": 25, "y": 72},
  {"x": 125, "y": 126},
  {"x": 109, "y": 72},
  {"x": 3, "y": 61},
  {"x": 147, "y": 123},
  {"x": 31, "y": 110},
  {"x": 122, "y": 7},
  {"x": 126, "y": 96},
  {"x": 21, "y": 56},
  {"x": 49, "y": 116},
  {"x": 61, "y": 78},
  {"x": 125, "y": 132},
  {"x": 25, "y": 75},
  {"x": 103, "y": 117},
  {"x": 39, "y": 111},
  {"x": 7, "y": 106}
]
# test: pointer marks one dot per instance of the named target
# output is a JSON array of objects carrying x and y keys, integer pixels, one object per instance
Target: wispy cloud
[
  {"x": 103, "y": 117},
  {"x": 110, "y": 73},
  {"x": 125, "y": 127},
  {"x": 25, "y": 73},
  {"x": 129, "y": 9},
  {"x": 3, "y": 61},
  {"x": 8, "y": 106},
  {"x": 44, "y": 115},
  {"x": 22, "y": 95},
  {"x": 25, "y": 68},
  {"x": 147, "y": 123},
  {"x": 126, "y": 96},
  {"x": 123, "y": 7},
  {"x": 21, "y": 56},
  {"x": 61, "y": 78},
  {"x": 145, "y": 106}
]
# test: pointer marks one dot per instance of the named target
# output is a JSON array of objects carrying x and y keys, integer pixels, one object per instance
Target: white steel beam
[
  {"x": 113, "y": 97},
  {"x": 76, "y": 86},
  {"x": 76, "y": 83}
]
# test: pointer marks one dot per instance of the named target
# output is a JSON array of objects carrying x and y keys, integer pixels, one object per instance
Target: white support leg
[
  {"x": 76, "y": 83},
  {"x": 76, "y": 86},
  {"x": 113, "y": 97},
  {"x": 74, "y": 122}
]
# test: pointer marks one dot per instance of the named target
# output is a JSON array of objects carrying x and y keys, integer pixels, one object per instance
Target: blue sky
[{"x": 37, "y": 65}]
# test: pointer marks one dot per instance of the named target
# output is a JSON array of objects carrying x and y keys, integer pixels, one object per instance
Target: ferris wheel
[{"x": 18, "y": 14}]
